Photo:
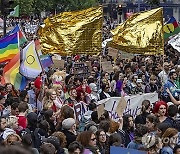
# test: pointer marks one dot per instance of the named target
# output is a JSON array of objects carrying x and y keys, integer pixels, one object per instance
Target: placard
[
  {"x": 100, "y": 110},
  {"x": 58, "y": 64},
  {"x": 107, "y": 66},
  {"x": 121, "y": 106},
  {"x": 113, "y": 52}
]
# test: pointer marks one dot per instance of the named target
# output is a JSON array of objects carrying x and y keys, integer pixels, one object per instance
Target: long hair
[
  {"x": 47, "y": 102},
  {"x": 168, "y": 134},
  {"x": 126, "y": 122},
  {"x": 145, "y": 105},
  {"x": 85, "y": 137}
]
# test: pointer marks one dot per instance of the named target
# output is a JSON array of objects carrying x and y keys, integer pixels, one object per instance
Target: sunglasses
[{"x": 93, "y": 139}]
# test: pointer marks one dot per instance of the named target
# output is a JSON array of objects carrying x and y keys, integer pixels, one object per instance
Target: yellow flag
[
  {"x": 30, "y": 66},
  {"x": 142, "y": 33},
  {"x": 71, "y": 33}
]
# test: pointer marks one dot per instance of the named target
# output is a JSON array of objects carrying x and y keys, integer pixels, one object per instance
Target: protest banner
[
  {"x": 116, "y": 150},
  {"x": 175, "y": 42},
  {"x": 107, "y": 66},
  {"x": 133, "y": 104}
]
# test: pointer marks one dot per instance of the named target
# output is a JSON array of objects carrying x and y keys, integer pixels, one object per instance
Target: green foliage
[
  {"x": 25, "y": 6},
  {"x": 72, "y": 5},
  {"x": 29, "y": 7}
]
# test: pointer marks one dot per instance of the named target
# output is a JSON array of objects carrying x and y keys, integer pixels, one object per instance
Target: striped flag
[
  {"x": 11, "y": 74},
  {"x": 8, "y": 47}
]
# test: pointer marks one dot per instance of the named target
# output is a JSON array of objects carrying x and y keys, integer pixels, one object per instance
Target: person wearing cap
[{"x": 69, "y": 130}]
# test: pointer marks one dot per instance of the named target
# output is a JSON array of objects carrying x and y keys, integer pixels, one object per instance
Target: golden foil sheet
[
  {"x": 71, "y": 33},
  {"x": 142, "y": 33}
]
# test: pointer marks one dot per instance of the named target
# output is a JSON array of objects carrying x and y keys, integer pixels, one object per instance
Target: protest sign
[
  {"x": 121, "y": 106},
  {"x": 113, "y": 52},
  {"x": 58, "y": 64},
  {"x": 107, "y": 66},
  {"x": 126, "y": 55},
  {"x": 100, "y": 110},
  {"x": 116, "y": 150},
  {"x": 78, "y": 111},
  {"x": 80, "y": 70},
  {"x": 133, "y": 104}
]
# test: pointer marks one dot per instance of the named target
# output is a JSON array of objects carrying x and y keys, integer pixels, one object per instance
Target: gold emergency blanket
[
  {"x": 142, "y": 33},
  {"x": 71, "y": 33}
]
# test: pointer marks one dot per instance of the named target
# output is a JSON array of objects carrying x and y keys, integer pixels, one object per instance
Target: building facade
[{"x": 170, "y": 8}]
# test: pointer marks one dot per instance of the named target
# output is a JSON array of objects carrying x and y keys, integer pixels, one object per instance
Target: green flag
[{"x": 14, "y": 13}]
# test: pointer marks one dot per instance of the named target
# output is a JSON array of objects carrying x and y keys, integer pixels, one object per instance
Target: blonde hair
[
  {"x": 11, "y": 120},
  {"x": 47, "y": 102},
  {"x": 56, "y": 87}
]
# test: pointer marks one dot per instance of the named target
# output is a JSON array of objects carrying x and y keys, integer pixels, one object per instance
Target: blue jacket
[
  {"x": 172, "y": 87},
  {"x": 167, "y": 150}
]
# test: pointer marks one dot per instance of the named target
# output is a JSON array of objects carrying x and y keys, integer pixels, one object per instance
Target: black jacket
[
  {"x": 70, "y": 137},
  {"x": 141, "y": 119}
]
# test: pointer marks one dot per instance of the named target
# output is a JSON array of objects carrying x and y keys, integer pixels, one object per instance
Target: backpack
[{"x": 36, "y": 137}]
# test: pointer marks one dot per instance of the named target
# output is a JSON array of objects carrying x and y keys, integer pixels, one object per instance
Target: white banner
[
  {"x": 175, "y": 42},
  {"x": 133, "y": 104}
]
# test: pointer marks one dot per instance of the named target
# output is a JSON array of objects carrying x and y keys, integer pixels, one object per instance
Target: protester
[{"x": 52, "y": 117}]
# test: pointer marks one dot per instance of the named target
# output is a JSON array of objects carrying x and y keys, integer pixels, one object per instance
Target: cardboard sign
[
  {"x": 58, "y": 64},
  {"x": 121, "y": 106},
  {"x": 113, "y": 52},
  {"x": 107, "y": 66},
  {"x": 126, "y": 55},
  {"x": 100, "y": 110}
]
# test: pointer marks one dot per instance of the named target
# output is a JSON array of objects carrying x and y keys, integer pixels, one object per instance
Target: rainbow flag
[
  {"x": 8, "y": 47},
  {"x": 171, "y": 28},
  {"x": 11, "y": 73},
  {"x": 21, "y": 36}
]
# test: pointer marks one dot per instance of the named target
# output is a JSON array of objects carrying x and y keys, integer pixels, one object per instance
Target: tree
[
  {"x": 29, "y": 7},
  {"x": 26, "y": 6},
  {"x": 73, "y": 5}
]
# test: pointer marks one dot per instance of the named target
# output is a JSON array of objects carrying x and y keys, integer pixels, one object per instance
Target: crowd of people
[{"x": 42, "y": 118}]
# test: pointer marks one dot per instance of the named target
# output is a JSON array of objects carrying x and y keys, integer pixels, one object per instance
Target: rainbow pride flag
[
  {"x": 17, "y": 29},
  {"x": 8, "y": 47},
  {"x": 11, "y": 74}
]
